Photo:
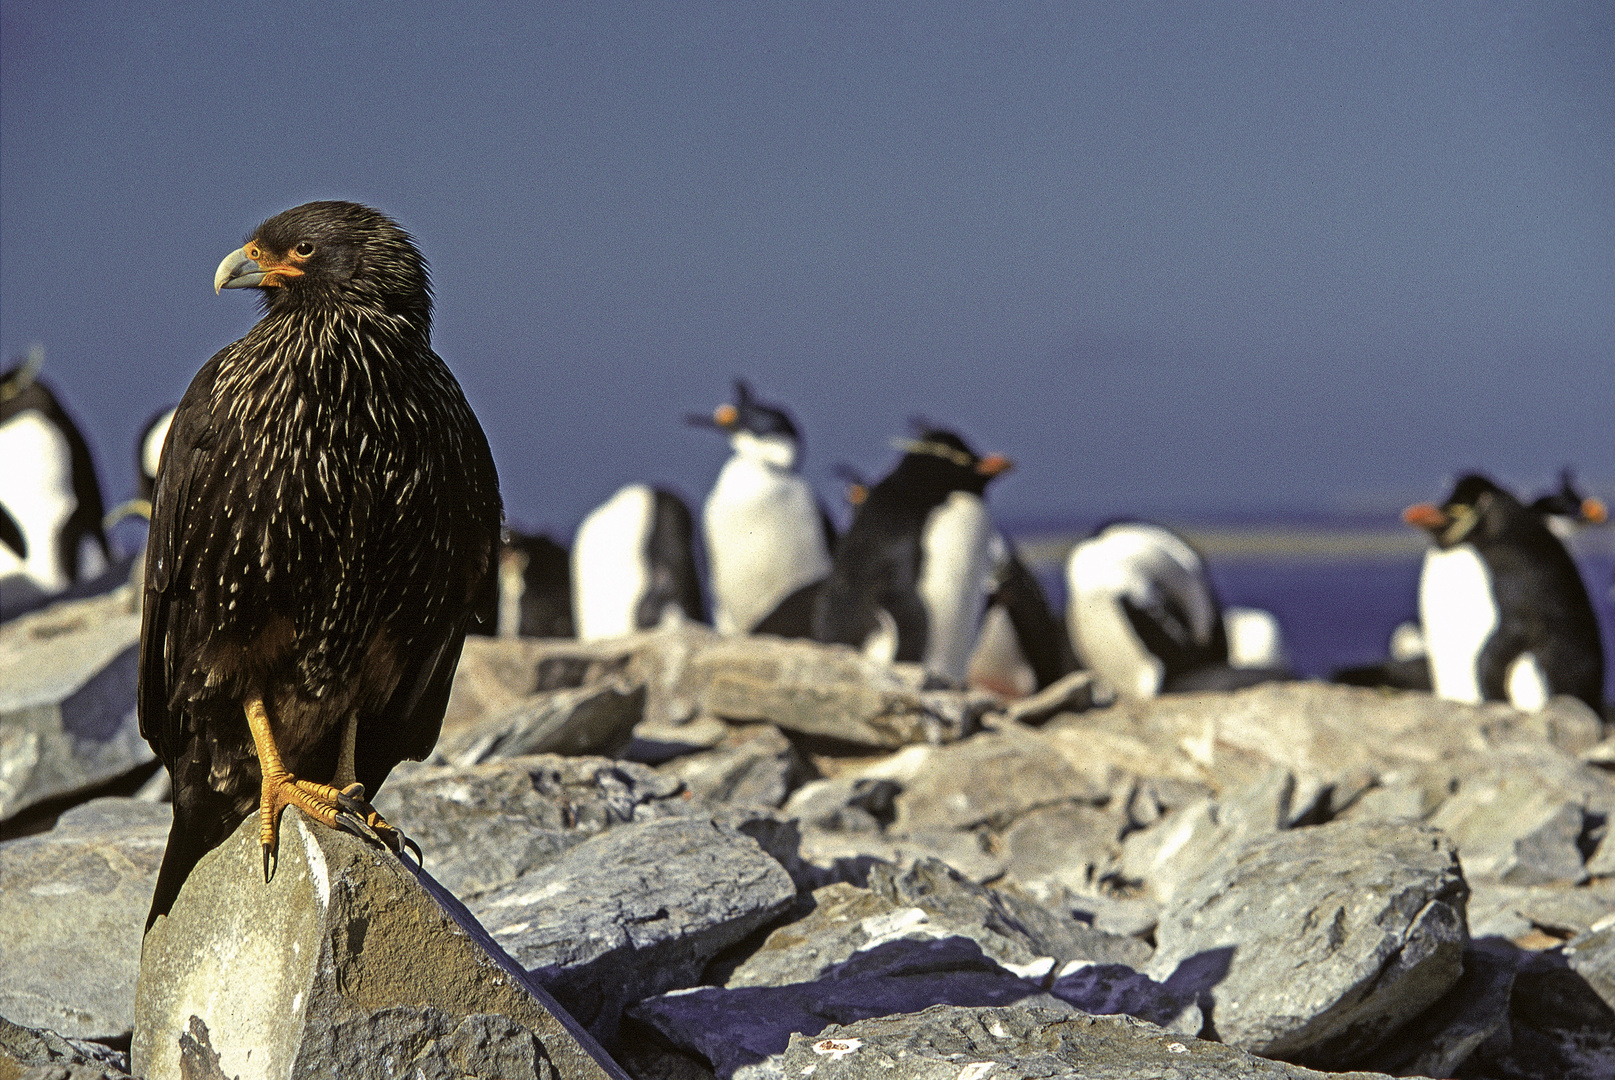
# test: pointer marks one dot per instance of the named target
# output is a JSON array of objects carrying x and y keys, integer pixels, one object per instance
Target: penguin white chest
[
  {"x": 956, "y": 567},
  {"x": 610, "y": 572},
  {"x": 765, "y": 540},
  {"x": 1459, "y": 613},
  {"x": 36, "y": 487}
]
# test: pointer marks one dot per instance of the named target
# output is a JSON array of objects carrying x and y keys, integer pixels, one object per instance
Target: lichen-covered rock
[
  {"x": 634, "y": 911},
  {"x": 948, "y": 1042},
  {"x": 1316, "y": 944},
  {"x": 485, "y": 825},
  {"x": 72, "y": 906},
  {"x": 342, "y": 965},
  {"x": 67, "y": 700}
]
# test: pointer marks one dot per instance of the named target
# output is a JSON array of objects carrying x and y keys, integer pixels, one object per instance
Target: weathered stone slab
[
  {"x": 483, "y": 826},
  {"x": 67, "y": 700},
  {"x": 947, "y": 1042},
  {"x": 859, "y": 804},
  {"x": 1070, "y": 844},
  {"x": 1516, "y": 911},
  {"x": 41, "y": 1054},
  {"x": 594, "y": 719},
  {"x": 637, "y": 910},
  {"x": 849, "y": 856},
  {"x": 1592, "y": 956},
  {"x": 1314, "y": 945},
  {"x": 756, "y": 765},
  {"x": 748, "y": 1027},
  {"x": 1509, "y": 827},
  {"x": 1077, "y": 692},
  {"x": 342, "y": 965},
  {"x": 71, "y": 910},
  {"x": 990, "y": 779}
]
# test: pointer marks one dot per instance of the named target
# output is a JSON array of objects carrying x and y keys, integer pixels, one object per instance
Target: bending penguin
[
  {"x": 913, "y": 573},
  {"x": 1143, "y": 617},
  {"x": 768, "y": 540},
  {"x": 1504, "y": 611},
  {"x": 48, "y": 490},
  {"x": 633, "y": 565}
]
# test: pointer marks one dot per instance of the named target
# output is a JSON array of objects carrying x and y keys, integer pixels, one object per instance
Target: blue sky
[{"x": 1173, "y": 258}]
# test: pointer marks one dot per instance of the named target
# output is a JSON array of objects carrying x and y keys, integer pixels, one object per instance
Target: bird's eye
[{"x": 305, "y": 249}]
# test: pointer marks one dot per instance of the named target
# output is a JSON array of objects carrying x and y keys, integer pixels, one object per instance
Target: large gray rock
[
  {"x": 1071, "y": 845},
  {"x": 67, "y": 700},
  {"x": 832, "y": 692},
  {"x": 1592, "y": 956},
  {"x": 41, "y": 1054},
  {"x": 1315, "y": 944},
  {"x": 948, "y": 1042},
  {"x": 755, "y": 765},
  {"x": 637, "y": 910},
  {"x": 343, "y": 965},
  {"x": 594, "y": 719},
  {"x": 1508, "y": 826},
  {"x": 486, "y": 825},
  {"x": 742, "y": 1031},
  {"x": 990, "y": 779},
  {"x": 1474, "y": 1011},
  {"x": 846, "y": 920},
  {"x": 1187, "y": 842},
  {"x": 71, "y": 911}
]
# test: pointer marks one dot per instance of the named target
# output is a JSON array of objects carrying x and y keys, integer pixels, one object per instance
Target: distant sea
[{"x": 1338, "y": 587}]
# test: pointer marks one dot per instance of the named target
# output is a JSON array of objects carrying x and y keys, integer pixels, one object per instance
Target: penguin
[
  {"x": 1504, "y": 611},
  {"x": 48, "y": 487},
  {"x": 1023, "y": 646},
  {"x": 768, "y": 539},
  {"x": 1143, "y": 616},
  {"x": 633, "y": 565},
  {"x": 1567, "y": 511},
  {"x": 912, "y": 575},
  {"x": 531, "y": 596},
  {"x": 148, "y": 455}
]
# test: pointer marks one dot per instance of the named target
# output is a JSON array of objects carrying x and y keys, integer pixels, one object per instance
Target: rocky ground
[{"x": 754, "y": 858}]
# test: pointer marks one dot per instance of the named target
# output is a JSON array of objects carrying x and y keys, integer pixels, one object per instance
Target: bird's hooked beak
[{"x": 250, "y": 268}]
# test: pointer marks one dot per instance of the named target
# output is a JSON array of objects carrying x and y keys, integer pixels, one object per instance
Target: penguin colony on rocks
[{"x": 921, "y": 575}]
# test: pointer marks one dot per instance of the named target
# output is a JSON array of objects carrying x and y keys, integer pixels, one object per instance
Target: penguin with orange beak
[
  {"x": 914, "y": 571},
  {"x": 1503, "y": 609}
]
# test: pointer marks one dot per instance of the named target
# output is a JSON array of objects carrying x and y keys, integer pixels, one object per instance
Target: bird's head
[
  {"x": 942, "y": 457},
  {"x": 331, "y": 252},
  {"x": 1474, "y": 498},
  {"x": 755, "y": 428}
]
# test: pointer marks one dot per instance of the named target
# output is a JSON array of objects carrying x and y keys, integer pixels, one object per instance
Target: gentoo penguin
[
  {"x": 1567, "y": 511},
  {"x": 47, "y": 486},
  {"x": 532, "y": 594},
  {"x": 768, "y": 539},
  {"x": 633, "y": 564},
  {"x": 1504, "y": 611},
  {"x": 913, "y": 573},
  {"x": 1143, "y": 616}
]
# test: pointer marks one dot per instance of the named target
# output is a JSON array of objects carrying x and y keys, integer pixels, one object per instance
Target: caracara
[{"x": 326, "y": 513}]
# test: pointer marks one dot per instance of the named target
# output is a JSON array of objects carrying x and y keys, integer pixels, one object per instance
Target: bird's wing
[{"x": 189, "y": 450}]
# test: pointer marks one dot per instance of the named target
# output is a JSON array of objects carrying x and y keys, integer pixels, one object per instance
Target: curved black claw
[
  {"x": 269, "y": 863},
  {"x": 357, "y": 816}
]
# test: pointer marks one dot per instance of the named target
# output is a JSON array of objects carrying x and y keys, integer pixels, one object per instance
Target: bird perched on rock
[
  {"x": 326, "y": 513},
  {"x": 1504, "y": 611},
  {"x": 768, "y": 539},
  {"x": 914, "y": 570}
]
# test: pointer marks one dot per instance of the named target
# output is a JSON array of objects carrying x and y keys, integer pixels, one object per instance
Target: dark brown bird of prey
[{"x": 326, "y": 513}]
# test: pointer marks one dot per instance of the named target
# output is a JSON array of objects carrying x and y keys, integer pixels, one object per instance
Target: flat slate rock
[
  {"x": 991, "y": 778},
  {"x": 635, "y": 911},
  {"x": 485, "y": 825},
  {"x": 755, "y": 765},
  {"x": 948, "y": 1042},
  {"x": 71, "y": 910},
  {"x": 67, "y": 700},
  {"x": 741, "y": 1028},
  {"x": 342, "y": 965},
  {"x": 1314, "y": 945}
]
